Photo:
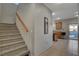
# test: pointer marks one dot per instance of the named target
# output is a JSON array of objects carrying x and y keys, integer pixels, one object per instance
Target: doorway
[
  {"x": 73, "y": 36},
  {"x": 73, "y": 31}
]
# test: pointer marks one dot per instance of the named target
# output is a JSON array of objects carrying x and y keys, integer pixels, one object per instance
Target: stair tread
[
  {"x": 23, "y": 53},
  {"x": 5, "y": 34},
  {"x": 11, "y": 31},
  {"x": 11, "y": 46},
  {"x": 10, "y": 36},
  {"x": 1, "y": 33},
  {"x": 7, "y": 30},
  {"x": 16, "y": 52},
  {"x": 7, "y": 27},
  {"x": 10, "y": 43},
  {"x": 7, "y": 24},
  {"x": 7, "y": 51}
]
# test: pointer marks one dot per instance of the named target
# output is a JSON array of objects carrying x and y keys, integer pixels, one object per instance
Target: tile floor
[{"x": 62, "y": 48}]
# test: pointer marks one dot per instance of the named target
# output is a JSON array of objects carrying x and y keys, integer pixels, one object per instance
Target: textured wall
[
  {"x": 7, "y": 13},
  {"x": 33, "y": 16}
]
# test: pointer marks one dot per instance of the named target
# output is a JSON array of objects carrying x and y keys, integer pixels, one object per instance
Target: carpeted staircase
[{"x": 11, "y": 42}]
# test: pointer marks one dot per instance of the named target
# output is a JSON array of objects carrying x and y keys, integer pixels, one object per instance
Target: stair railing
[{"x": 21, "y": 20}]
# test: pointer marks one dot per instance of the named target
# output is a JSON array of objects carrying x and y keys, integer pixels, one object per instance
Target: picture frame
[
  {"x": 59, "y": 25},
  {"x": 45, "y": 25}
]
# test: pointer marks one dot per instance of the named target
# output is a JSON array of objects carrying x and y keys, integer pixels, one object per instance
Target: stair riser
[
  {"x": 7, "y": 24},
  {"x": 3, "y": 45},
  {"x": 2, "y": 33},
  {"x": 15, "y": 52},
  {"x": 5, "y": 28},
  {"x": 8, "y": 31},
  {"x": 10, "y": 50},
  {"x": 11, "y": 46},
  {"x": 9, "y": 36},
  {"x": 9, "y": 41}
]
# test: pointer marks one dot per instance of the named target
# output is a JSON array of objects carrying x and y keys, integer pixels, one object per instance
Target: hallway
[
  {"x": 35, "y": 25},
  {"x": 62, "y": 48}
]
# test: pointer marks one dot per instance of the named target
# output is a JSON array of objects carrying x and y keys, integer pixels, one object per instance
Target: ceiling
[{"x": 62, "y": 10}]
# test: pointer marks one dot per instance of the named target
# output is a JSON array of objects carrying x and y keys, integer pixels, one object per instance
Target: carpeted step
[{"x": 11, "y": 42}]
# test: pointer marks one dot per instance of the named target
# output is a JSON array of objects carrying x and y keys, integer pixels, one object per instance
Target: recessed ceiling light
[{"x": 53, "y": 13}]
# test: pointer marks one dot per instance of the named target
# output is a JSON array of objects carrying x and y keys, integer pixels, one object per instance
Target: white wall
[
  {"x": 26, "y": 11},
  {"x": 8, "y": 13},
  {"x": 0, "y": 13},
  {"x": 42, "y": 41},
  {"x": 33, "y": 16}
]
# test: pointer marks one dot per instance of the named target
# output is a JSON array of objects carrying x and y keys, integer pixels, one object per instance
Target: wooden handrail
[{"x": 21, "y": 20}]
